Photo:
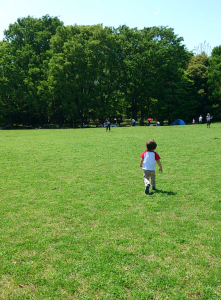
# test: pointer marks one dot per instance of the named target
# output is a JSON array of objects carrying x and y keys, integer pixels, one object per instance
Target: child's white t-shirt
[{"x": 149, "y": 159}]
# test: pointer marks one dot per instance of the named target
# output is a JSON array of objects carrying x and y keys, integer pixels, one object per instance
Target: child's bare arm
[
  {"x": 141, "y": 162},
  {"x": 159, "y": 164}
]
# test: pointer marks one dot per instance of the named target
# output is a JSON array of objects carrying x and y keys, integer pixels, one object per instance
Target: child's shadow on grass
[{"x": 169, "y": 193}]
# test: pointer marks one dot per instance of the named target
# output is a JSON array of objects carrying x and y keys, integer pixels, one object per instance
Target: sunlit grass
[{"x": 76, "y": 223}]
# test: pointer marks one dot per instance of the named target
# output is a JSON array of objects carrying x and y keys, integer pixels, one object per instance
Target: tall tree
[
  {"x": 214, "y": 82},
  {"x": 73, "y": 69},
  {"x": 29, "y": 40},
  {"x": 168, "y": 76},
  {"x": 198, "y": 70},
  {"x": 11, "y": 86}
]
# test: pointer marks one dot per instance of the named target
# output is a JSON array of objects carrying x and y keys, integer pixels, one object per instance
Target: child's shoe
[{"x": 147, "y": 189}]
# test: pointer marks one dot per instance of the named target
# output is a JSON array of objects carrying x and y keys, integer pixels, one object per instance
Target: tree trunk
[{"x": 134, "y": 109}]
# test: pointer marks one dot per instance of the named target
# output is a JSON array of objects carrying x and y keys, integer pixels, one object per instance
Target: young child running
[{"x": 147, "y": 163}]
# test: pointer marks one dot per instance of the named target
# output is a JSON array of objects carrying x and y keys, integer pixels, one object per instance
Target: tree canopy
[{"x": 51, "y": 73}]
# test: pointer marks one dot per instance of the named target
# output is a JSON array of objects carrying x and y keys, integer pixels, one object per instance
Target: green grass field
[{"x": 76, "y": 223}]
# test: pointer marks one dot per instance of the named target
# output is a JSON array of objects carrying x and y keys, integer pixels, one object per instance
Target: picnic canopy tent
[{"x": 178, "y": 122}]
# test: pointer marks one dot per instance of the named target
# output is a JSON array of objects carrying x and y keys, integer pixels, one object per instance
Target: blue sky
[{"x": 196, "y": 21}]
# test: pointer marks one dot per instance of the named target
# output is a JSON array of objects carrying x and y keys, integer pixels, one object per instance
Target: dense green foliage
[
  {"x": 50, "y": 73},
  {"x": 215, "y": 80}
]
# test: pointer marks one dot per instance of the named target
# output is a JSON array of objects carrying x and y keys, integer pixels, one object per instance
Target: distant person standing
[
  {"x": 193, "y": 122},
  {"x": 108, "y": 125},
  {"x": 133, "y": 122},
  {"x": 200, "y": 119},
  {"x": 208, "y": 120}
]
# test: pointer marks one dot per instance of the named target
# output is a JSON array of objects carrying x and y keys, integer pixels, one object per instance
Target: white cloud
[
  {"x": 157, "y": 12},
  {"x": 10, "y": 4}
]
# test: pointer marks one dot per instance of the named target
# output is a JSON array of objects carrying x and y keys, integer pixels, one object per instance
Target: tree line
[{"x": 51, "y": 73}]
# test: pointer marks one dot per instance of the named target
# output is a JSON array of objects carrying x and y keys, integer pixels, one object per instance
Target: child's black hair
[{"x": 151, "y": 145}]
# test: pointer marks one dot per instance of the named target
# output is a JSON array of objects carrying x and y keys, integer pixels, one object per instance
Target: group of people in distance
[
  {"x": 133, "y": 123},
  {"x": 208, "y": 120}
]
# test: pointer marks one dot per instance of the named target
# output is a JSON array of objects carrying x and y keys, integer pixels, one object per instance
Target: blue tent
[{"x": 178, "y": 122}]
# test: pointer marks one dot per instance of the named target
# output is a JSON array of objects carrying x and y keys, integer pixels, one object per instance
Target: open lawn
[{"x": 76, "y": 224}]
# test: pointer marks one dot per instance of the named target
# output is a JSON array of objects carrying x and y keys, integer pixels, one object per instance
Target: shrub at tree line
[{"x": 56, "y": 74}]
